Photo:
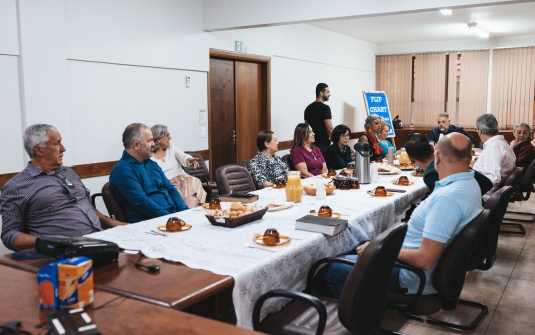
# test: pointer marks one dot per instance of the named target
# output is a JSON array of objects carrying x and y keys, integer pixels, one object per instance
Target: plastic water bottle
[
  {"x": 374, "y": 173},
  {"x": 390, "y": 155},
  {"x": 320, "y": 189}
]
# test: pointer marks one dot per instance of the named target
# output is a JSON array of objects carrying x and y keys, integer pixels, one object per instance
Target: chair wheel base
[
  {"x": 520, "y": 227},
  {"x": 484, "y": 310}
]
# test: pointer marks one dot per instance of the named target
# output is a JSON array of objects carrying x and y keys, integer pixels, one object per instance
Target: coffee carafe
[{"x": 362, "y": 162}]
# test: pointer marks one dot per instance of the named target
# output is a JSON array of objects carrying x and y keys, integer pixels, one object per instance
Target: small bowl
[{"x": 310, "y": 189}]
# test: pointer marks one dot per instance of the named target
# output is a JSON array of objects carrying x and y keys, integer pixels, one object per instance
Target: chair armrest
[
  {"x": 93, "y": 197},
  {"x": 418, "y": 272},
  {"x": 312, "y": 272},
  {"x": 307, "y": 298},
  {"x": 207, "y": 181}
]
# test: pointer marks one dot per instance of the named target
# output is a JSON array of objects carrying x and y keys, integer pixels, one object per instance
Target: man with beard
[
  {"x": 318, "y": 115},
  {"x": 138, "y": 183},
  {"x": 445, "y": 128}
]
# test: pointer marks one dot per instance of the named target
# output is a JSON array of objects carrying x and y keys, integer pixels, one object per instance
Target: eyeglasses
[
  {"x": 65, "y": 180},
  {"x": 313, "y": 156},
  {"x": 345, "y": 135}
]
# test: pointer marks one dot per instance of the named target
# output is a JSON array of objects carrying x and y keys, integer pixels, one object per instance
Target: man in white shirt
[{"x": 498, "y": 159}]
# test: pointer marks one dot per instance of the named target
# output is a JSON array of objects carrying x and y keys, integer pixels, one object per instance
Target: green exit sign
[{"x": 240, "y": 46}]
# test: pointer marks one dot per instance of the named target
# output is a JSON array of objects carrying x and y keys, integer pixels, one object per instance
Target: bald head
[{"x": 455, "y": 148}]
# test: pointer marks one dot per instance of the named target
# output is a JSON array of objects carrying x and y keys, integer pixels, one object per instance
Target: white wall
[
  {"x": 302, "y": 57},
  {"x": 92, "y": 67}
]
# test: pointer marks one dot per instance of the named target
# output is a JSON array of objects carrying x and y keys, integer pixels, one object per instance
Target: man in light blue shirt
[{"x": 455, "y": 202}]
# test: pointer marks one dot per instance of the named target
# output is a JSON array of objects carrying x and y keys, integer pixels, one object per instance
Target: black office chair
[
  {"x": 522, "y": 193},
  {"x": 514, "y": 179},
  {"x": 202, "y": 173},
  {"x": 448, "y": 279},
  {"x": 114, "y": 209},
  {"x": 234, "y": 177},
  {"x": 362, "y": 304},
  {"x": 286, "y": 159},
  {"x": 485, "y": 254}
]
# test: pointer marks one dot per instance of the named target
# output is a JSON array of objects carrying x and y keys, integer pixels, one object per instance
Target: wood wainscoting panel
[{"x": 90, "y": 170}]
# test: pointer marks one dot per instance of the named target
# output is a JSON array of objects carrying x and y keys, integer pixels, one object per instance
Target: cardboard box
[
  {"x": 75, "y": 283},
  {"x": 47, "y": 286}
]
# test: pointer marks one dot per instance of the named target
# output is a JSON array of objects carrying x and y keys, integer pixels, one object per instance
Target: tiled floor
[{"x": 508, "y": 289}]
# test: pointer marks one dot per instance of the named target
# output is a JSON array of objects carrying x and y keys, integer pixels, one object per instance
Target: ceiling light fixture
[
  {"x": 445, "y": 11},
  {"x": 478, "y": 30}
]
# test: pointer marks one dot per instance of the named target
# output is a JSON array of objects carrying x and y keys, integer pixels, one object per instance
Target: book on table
[
  {"x": 244, "y": 198},
  {"x": 319, "y": 224}
]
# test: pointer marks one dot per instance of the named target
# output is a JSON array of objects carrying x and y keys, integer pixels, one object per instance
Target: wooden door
[
  {"x": 249, "y": 103},
  {"x": 222, "y": 114}
]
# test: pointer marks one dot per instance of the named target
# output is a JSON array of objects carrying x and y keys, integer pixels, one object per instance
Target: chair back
[
  {"x": 201, "y": 170},
  {"x": 528, "y": 178},
  {"x": 450, "y": 272},
  {"x": 235, "y": 178},
  {"x": 497, "y": 205},
  {"x": 286, "y": 159},
  {"x": 513, "y": 178},
  {"x": 245, "y": 163},
  {"x": 112, "y": 205},
  {"x": 363, "y": 300}
]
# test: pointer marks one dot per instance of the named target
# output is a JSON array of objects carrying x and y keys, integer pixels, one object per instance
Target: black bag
[{"x": 397, "y": 123}]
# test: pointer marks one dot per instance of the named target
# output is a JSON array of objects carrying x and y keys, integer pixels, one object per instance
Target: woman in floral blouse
[{"x": 266, "y": 168}]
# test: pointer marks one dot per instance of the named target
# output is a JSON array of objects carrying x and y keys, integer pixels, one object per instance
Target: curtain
[
  {"x": 513, "y": 76},
  {"x": 473, "y": 87},
  {"x": 393, "y": 76},
  {"x": 429, "y": 88},
  {"x": 451, "y": 106}
]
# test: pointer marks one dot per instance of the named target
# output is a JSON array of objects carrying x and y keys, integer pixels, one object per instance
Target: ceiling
[{"x": 500, "y": 20}]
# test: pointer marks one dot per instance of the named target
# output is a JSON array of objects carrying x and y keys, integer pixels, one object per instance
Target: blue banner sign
[{"x": 376, "y": 103}]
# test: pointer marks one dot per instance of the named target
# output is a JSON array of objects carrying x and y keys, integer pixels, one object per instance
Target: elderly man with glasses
[{"x": 46, "y": 198}]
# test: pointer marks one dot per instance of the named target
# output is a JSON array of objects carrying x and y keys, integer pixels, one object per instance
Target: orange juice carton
[
  {"x": 75, "y": 283},
  {"x": 47, "y": 286}
]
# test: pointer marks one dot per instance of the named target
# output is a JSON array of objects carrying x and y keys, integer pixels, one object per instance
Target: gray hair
[
  {"x": 522, "y": 125},
  {"x": 488, "y": 124},
  {"x": 158, "y": 131},
  {"x": 36, "y": 134},
  {"x": 444, "y": 114},
  {"x": 370, "y": 119},
  {"x": 132, "y": 133}
]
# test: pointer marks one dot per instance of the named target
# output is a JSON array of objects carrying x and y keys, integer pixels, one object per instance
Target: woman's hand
[
  {"x": 193, "y": 161},
  {"x": 302, "y": 168}
]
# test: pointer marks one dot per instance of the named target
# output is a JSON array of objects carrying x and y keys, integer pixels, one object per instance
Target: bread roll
[{"x": 236, "y": 206}]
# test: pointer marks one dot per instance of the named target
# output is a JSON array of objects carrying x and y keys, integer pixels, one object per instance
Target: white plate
[
  {"x": 393, "y": 171},
  {"x": 284, "y": 205}
]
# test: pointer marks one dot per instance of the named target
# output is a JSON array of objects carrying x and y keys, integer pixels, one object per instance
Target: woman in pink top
[{"x": 306, "y": 158}]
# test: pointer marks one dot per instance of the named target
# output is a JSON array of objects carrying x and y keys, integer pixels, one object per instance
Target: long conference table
[{"x": 217, "y": 261}]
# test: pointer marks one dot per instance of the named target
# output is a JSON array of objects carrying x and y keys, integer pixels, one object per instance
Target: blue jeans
[{"x": 337, "y": 273}]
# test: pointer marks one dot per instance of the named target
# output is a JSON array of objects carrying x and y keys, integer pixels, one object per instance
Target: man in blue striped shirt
[{"x": 46, "y": 198}]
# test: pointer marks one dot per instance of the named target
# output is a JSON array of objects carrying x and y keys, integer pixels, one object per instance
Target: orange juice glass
[
  {"x": 404, "y": 157},
  {"x": 294, "y": 188}
]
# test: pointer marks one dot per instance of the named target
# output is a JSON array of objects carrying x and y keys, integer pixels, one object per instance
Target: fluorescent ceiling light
[
  {"x": 445, "y": 11},
  {"x": 478, "y": 30}
]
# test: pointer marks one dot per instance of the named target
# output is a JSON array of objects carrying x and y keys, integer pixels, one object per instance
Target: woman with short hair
[
  {"x": 521, "y": 145},
  {"x": 372, "y": 126},
  {"x": 305, "y": 157},
  {"x": 266, "y": 168},
  {"x": 382, "y": 139},
  {"x": 170, "y": 158},
  {"x": 338, "y": 154}
]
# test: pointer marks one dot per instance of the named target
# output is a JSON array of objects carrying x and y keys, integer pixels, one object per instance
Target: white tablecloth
[{"x": 223, "y": 250}]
